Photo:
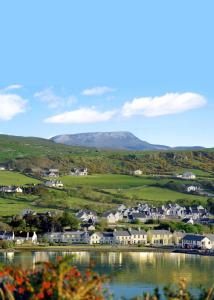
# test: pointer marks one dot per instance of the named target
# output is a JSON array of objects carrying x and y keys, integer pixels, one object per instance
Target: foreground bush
[
  {"x": 50, "y": 281},
  {"x": 64, "y": 282}
]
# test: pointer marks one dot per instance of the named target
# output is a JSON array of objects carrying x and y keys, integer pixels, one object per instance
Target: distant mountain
[{"x": 108, "y": 140}]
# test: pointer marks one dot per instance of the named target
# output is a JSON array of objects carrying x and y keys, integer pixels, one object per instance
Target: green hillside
[
  {"x": 14, "y": 178},
  {"x": 108, "y": 183},
  {"x": 24, "y": 152}
]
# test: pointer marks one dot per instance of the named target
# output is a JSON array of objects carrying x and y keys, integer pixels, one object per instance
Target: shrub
[
  {"x": 51, "y": 281},
  {"x": 6, "y": 244}
]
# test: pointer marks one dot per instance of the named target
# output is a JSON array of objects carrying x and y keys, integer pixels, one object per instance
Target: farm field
[
  {"x": 99, "y": 192},
  {"x": 13, "y": 206},
  {"x": 157, "y": 194},
  {"x": 14, "y": 178},
  {"x": 107, "y": 181}
]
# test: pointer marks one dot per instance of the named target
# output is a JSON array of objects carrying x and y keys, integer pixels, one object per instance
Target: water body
[{"x": 131, "y": 273}]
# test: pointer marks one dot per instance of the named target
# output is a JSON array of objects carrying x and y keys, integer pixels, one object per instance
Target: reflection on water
[{"x": 130, "y": 272}]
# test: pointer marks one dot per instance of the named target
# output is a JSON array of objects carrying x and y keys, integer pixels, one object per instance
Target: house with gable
[
  {"x": 196, "y": 241},
  {"x": 159, "y": 237},
  {"x": 138, "y": 236}
]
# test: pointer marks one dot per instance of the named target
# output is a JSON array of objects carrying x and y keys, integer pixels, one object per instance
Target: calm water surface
[{"x": 131, "y": 273}]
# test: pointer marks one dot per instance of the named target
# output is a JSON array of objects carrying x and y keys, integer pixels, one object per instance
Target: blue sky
[{"x": 79, "y": 66}]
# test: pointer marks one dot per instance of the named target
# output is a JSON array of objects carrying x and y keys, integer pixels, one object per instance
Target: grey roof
[
  {"x": 137, "y": 232},
  {"x": 161, "y": 231},
  {"x": 193, "y": 237},
  {"x": 210, "y": 236},
  {"x": 108, "y": 234},
  {"x": 121, "y": 233}
]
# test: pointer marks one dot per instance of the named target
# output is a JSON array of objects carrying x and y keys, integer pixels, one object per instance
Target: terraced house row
[{"x": 133, "y": 237}]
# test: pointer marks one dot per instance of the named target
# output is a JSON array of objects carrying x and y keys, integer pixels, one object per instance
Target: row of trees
[{"x": 41, "y": 222}]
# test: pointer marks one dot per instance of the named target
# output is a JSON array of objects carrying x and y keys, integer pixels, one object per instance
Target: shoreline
[{"x": 106, "y": 248}]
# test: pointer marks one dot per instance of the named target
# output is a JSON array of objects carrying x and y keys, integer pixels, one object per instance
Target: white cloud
[
  {"x": 12, "y": 87},
  {"x": 11, "y": 105},
  {"x": 48, "y": 96},
  {"x": 52, "y": 100},
  {"x": 171, "y": 103},
  {"x": 81, "y": 115},
  {"x": 97, "y": 91}
]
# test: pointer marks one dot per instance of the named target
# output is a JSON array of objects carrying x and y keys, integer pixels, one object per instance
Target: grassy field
[
  {"x": 15, "y": 205},
  {"x": 99, "y": 192},
  {"x": 158, "y": 194},
  {"x": 13, "y": 178},
  {"x": 106, "y": 181}
]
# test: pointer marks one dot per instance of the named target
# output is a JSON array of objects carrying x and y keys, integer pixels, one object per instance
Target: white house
[
  {"x": 86, "y": 215},
  {"x": 122, "y": 237},
  {"x": 196, "y": 241},
  {"x": 136, "y": 172},
  {"x": 79, "y": 172},
  {"x": 159, "y": 237},
  {"x": 192, "y": 188},
  {"x": 18, "y": 190},
  {"x": 188, "y": 175},
  {"x": 138, "y": 236},
  {"x": 95, "y": 238},
  {"x": 210, "y": 236},
  {"x": 112, "y": 217},
  {"x": 54, "y": 183}
]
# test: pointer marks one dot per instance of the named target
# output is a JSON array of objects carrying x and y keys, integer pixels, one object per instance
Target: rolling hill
[{"x": 26, "y": 152}]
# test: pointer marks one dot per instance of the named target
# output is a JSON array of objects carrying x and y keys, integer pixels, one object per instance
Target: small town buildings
[
  {"x": 79, "y": 172},
  {"x": 95, "y": 238},
  {"x": 196, "y": 241},
  {"x": 122, "y": 237},
  {"x": 86, "y": 215},
  {"x": 11, "y": 189},
  {"x": 107, "y": 237},
  {"x": 54, "y": 183},
  {"x": 159, "y": 237},
  {"x": 67, "y": 237},
  {"x": 54, "y": 173},
  {"x": 112, "y": 217},
  {"x": 7, "y": 235},
  {"x": 138, "y": 216},
  {"x": 29, "y": 238},
  {"x": 138, "y": 236}
]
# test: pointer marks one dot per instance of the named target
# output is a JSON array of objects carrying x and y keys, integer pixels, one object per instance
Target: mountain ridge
[{"x": 115, "y": 140}]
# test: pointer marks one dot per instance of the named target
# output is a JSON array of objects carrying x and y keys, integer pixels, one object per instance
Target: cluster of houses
[
  {"x": 11, "y": 189},
  {"x": 22, "y": 238},
  {"x": 55, "y": 173},
  {"x": 130, "y": 236},
  {"x": 144, "y": 212}
]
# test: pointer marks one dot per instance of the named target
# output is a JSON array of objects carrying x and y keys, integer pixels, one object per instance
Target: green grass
[
  {"x": 99, "y": 192},
  {"x": 13, "y": 178},
  {"x": 106, "y": 181},
  {"x": 158, "y": 194},
  {"x": 15, "y": 205}
]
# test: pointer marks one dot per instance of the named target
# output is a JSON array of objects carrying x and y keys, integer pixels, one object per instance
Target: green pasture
[{"x": 14, "y": 178}]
